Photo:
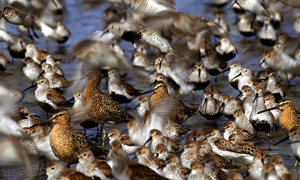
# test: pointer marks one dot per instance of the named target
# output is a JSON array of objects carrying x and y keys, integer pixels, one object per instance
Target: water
[{"x": 84, "y": 18}]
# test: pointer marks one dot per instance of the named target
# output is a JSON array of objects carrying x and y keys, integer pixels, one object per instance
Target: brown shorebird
[
  {"x": 19, "y": 17},
  {"x": 66, "y": 142},
  {"x": 180, "y": 112},
  {"x": 101, "y": 107},
  {"x": 289, "y": 117}
]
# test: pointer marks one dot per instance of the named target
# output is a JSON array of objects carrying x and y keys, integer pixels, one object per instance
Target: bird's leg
[
  {"x": 34, "y": 33},
  {"x": 296, "y": 164},
  {"x": 29, "y": 33},
  {"x": 253, "y": 21},
  {"x": 104, "y": 134},
  {"x": 97, "y": 132},
  {"x": 193, "y": 95}
]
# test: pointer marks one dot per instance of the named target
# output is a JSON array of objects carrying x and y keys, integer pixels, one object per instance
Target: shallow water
[{"x": 84, "y": 18}]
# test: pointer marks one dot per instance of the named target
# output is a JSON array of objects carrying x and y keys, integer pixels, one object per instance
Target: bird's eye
[
  {"x": 84, "y": 154},
  {"x": 52, "y": 168}
]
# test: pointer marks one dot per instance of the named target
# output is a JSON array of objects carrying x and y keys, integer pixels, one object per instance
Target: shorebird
[
  {"x": 17, "y": 47},
  {"x": 199, "y": 77},
  {"x": 156, "y": 138},
  {"x": 296, "y": 26},
  {"x": 28, "y": 118},
  {"x": 47, "y": 98},
  {"x": 56, "y": 81},
  {"x": 269, "y": 103},
  {"x": 36, "y": 55},
  {"x": 209, "y": 107},
  {"x": 261, "y": 122},
  {"x": 125, "y": 169},
  {"x": 226, "y": 49},
  {"x": 197, "y": 172},
  {"x": 289, "y": 117},
  {"x": 219, "y": 19},
  {"x": 195, "y": 135},
  {"x": 143, "y": 106},
  {"x": 140, "y": 60},
  {"x": 215, "y": 92},
  {"x": 213, "y": 64},
  {"x": 48, "y": 58},
  {"x": 31, "y": 69},
  {"x": 66, "y": 142},
  {"x": 161, "y": 151},
  {"x": 225, "y": 148},
  {"x": 57, "y": 170},
  {"x": 229, "y": 105},
  {"x": 242, "y": 121},
  {"x": 101, "y": 107},
  {"x": 174, "y": 170},
  {"x": 78, "y": 110},
  {"x": 104, "y": 57},
  {"x": 63, "y": 32},
  {"x": 222, "y": 163},
  {"x": 20, "y": 17},
  {"x": 254, "y": 6},
  {"x": 247, "y": 78},
  {"x": 255, "y": 169},
  {"x": 180, "y": 112},
  {"x": 41, "y": 138},
  {"x": 146, "y": 158},
  {"x": 244, "y": 147},
  {"x": 267, "y": 34},
  {"x": 281, "y": 170},
  {"x": 3, "y": 62},
  {"x": 128, "y": 146},
  {"x": 171, "y": 87},
  {"x": 269, "y": 171},
  {"x": 120, "y": 91},
  {"x": 93, "y": 167},
  {"x": 245, "y": 27},
  {"x": 189, "y": 154},
  {"x": 231, "y": 128},
  {"x": 157, "y": 117},
  {"x": 274, "y": 87},
  {"x": 210, "y": 168}
]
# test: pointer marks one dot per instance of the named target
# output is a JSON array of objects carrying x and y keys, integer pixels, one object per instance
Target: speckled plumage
[{"x": 66, "y": 141}]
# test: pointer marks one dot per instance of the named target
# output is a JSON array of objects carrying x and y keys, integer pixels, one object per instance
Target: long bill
[
  {"x": 34, "y": 85},
  {"x": 150, "y": 138},
  {"x": 236, "y": 76},
  {"x": 272, "y": 108},
  {"x": 282, "y": 140}
]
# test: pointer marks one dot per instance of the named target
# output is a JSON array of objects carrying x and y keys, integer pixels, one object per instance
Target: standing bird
[
  {"x": 120, "y": 91},
  {"x": 19, "y": 17},
  {"x": 254, "y": 6},
  {"x": 93, "y": 167},
  {"x": 289, "y": 117},
  {"x": 199, "y": 77},
  {"x": 180, "y": 112},
  {"x": 47, "y": 98},
  {"x": 101, "y": 107},
  {"x": 67, "y": 142}
]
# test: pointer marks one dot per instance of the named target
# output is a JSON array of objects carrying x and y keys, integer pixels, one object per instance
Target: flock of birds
[{"x": 176, "y": 54}]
